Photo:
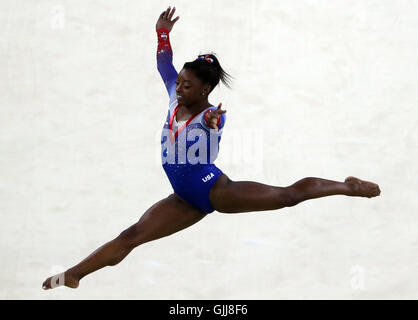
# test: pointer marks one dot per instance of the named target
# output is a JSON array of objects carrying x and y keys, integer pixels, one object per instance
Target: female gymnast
[{"x": 191, "y": 135}]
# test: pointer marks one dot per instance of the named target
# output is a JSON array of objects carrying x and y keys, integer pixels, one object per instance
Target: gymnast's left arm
[{"x": 214, "y": 118}]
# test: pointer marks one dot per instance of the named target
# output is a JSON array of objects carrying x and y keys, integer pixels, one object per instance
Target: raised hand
[
  {"x": 164, "y": 21},
  {"x": 213, "y": 116}
]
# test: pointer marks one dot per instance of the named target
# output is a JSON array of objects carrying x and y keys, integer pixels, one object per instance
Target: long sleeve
[{"x": 165, "y": 62}]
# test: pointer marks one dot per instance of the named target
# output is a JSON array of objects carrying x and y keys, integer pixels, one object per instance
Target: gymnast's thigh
[{"x": 162, "y": 219}]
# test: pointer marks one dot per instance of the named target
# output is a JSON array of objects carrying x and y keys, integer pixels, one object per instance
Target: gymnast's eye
[{"x": 185, "y": 87}]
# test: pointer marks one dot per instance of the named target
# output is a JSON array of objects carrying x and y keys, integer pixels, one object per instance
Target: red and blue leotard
[{"x": 187, "y": 150}]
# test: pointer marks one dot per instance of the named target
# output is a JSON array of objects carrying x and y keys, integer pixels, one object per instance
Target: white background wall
[{"x": 322, "y": 88}]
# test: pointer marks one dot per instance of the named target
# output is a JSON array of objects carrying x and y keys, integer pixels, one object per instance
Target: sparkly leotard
[{"x": 188, "y": 150}]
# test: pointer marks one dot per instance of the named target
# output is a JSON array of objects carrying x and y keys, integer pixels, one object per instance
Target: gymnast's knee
[
  {"x": 290, "y": 197},
  {"x": 131, "y": 237}
]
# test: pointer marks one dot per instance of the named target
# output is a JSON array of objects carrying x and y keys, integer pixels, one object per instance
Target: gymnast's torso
[{"x": 188, "y": 148}]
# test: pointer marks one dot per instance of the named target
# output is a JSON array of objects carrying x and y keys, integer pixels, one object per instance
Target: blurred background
[{"x": 321, "y": 88}]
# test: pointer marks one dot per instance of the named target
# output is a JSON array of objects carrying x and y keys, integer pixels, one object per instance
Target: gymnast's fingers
[
  {"x": 219, "y": 110},
  {"x": 166, "y": 12},
  {"x": 175, "y": 20},
  {"x": 171, "y": 13}
]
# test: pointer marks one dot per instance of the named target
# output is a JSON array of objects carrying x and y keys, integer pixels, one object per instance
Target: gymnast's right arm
[{"x": 164, "y": 52}]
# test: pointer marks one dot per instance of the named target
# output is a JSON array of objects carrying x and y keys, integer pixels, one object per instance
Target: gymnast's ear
[{"x": 206, "y": 89}]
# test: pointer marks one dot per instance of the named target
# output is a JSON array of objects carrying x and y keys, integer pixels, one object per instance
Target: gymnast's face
[{"x": 190, "y": 89}]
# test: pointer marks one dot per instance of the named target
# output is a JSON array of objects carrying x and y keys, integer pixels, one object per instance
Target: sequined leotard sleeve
[{"x": 165, "y": 63}]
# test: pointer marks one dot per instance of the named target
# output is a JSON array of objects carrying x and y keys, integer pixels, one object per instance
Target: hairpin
[{"x": 207, "y": 58}]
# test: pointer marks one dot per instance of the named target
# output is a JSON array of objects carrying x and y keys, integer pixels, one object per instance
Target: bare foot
[
  {"x": 61, "y": 279},
  {"x": 362, "y": 188}
]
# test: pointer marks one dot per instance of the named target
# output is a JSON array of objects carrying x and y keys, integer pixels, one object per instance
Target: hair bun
[
  {"x": 206, "y": 58},
  {"x": 208, "y": 69}
]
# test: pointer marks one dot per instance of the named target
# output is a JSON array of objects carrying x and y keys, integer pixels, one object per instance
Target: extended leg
[
  {"x": 244, "y": 196},
  {"x": 164, "y": 218}
]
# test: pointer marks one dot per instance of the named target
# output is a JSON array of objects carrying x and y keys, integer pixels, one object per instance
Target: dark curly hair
[{"x": 208, "y": 69}]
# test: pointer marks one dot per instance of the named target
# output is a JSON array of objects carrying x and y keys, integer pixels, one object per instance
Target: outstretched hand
[
  {"x": 164, "y": 21},
  {"x": 213, "y": 116}
]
